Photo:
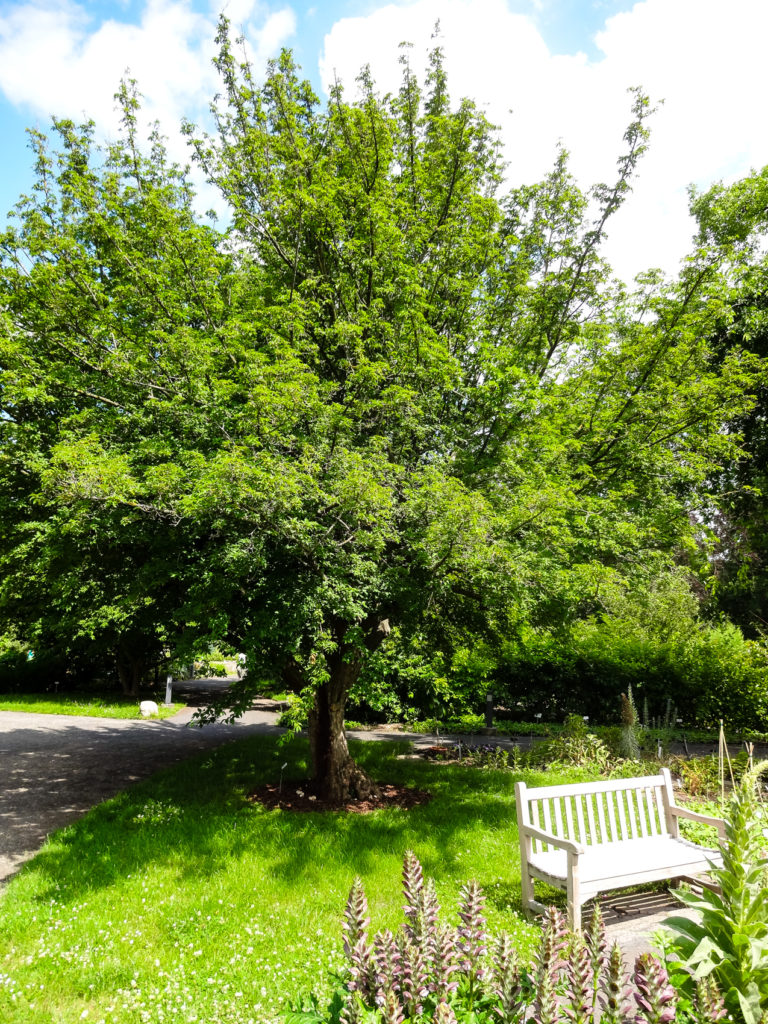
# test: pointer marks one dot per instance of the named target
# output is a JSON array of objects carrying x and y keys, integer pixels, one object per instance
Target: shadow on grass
[{"x": 196, "y": 819}]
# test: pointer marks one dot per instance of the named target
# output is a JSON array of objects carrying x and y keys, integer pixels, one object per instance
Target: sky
[{"x": 547, "y": 72}]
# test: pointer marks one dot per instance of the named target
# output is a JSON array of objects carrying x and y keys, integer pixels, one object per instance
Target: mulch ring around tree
[{"x": 302, "y": 796}]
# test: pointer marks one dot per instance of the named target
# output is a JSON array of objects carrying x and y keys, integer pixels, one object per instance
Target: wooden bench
[{"x": 590, "y": 837}]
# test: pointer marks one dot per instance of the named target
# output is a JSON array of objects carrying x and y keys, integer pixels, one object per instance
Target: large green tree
[{"x": 384, "y": 395}]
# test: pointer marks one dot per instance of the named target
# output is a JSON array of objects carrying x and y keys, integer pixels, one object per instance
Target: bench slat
[
  {"x": 622, "y": 816},
  {"x": 583, "y": 837},
  {"x": 547, "y": 817},
  {"x": 593, "y": 836},
  {"x": 633, "y": 795},
  {"x": 655, "y": 815},
  {"x": 654, "y": 810},
  {"x": 569, "y": 817},
  {"x": 643, "y": 813},
  {"x": 600, "y": 800},
  {"x": 558, "y": 809},
  {"x": 661, "y": 811},
  {"x": 537, "y": 845},
  {"x": 610, "y": 800},
  {"x": 603, "y": 786}
]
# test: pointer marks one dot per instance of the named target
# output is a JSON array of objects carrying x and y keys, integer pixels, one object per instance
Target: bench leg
[
  {"x": 529, "y": 897},
  {"x": 574, "y": 902}
]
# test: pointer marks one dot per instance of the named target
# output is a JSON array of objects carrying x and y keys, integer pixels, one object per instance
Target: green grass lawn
[
  {"x": 80, "y": 704},
  {"x": 180, "y": 900}
]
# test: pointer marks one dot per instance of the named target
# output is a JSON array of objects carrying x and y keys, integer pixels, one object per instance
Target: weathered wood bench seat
[{"x": 591, "y": 837}]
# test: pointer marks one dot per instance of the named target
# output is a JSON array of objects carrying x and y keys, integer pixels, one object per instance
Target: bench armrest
[
  {"x": 546, "y": 837},
  {"x": 704, "y": 819}
]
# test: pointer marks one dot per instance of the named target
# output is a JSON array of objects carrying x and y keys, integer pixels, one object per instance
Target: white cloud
[
  {"x": 55, "y": 60},
  {"x": 278, "y": 28},
  {"x": 705, "y": 60}
]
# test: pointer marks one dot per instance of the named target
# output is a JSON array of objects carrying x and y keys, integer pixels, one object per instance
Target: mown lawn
[
  {"x": 180, "y": 900},
  {"x": 80, "y": 704}
]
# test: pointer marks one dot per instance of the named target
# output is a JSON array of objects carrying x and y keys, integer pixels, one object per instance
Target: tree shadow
[{"x": 53, "y": 775}]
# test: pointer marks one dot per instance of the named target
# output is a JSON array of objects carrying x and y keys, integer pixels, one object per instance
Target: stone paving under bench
[{"x": 632, "y": 920}]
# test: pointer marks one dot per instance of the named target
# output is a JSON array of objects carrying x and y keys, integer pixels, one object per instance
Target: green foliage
[
  {"x": 713, "y": 672},
  {"x": 294, "y": 716},
  {"x": 574, "y": 746},
  {"x": 493, "y": 758},
  {"x": 156, "y": 812},
  {"x": 701, "y": 775},
  {"x": 457, "y": 724},
  {"x": 729, "y": 939},
  {"x": 630, "y": 730},
  {"x": 208, "y": 668},
  {"x": 20, "y": 674},
  {"x": 386, "y": 396}
]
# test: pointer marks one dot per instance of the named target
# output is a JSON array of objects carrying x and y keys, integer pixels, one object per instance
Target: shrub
[
  {"x": 701, "y": 775},
  {"x": 729, "y": 943},
  {"x": 574, "y": 746},
  {"x": 491, "y": 757},
  {"x": 711, "y": 671}
]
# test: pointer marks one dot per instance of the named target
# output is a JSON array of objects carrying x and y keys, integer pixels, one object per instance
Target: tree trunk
[
  {"x": 336, "y": 775},
  {"x": 129, "y": 674}
]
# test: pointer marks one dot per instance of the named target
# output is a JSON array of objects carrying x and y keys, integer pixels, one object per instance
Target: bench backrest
[{"x": 594, "y": 813}]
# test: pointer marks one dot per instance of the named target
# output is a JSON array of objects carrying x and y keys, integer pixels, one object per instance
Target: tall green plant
[
  {"x": 630, "y": 744},
  {"x": 729, "y": 941}
]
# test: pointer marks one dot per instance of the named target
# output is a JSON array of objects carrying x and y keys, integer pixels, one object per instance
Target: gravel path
[{"x": 53, "y": 768}]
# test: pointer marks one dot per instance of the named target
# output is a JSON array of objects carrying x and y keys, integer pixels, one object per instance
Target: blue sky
[{"x": 546, "y": 70}]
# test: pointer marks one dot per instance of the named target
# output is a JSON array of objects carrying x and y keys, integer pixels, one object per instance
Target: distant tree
[
  {"x": 384, "y": 395},
  {"x": 109, "y": 288},
  {"x": 739, "y": 525}
]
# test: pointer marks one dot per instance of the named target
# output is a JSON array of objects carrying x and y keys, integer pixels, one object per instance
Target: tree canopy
[{"x": 386, "y": 395}]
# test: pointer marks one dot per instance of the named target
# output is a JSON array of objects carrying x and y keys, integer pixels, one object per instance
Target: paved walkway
[{"x": 53, "y": 768}]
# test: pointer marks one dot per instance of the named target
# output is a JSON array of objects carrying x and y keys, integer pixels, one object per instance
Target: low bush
[
  {"x": 575, "y": 746},
  {"x": 728, "y": 943},
  {"x": 701, "y": 775}
]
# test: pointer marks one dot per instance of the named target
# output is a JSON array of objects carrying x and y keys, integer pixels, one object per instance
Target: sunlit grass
[
  {"x": 181, "y": 900},
  {"x": 80, "y": 704}
]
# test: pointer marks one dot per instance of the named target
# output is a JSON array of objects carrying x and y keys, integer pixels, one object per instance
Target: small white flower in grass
[
  {"x": 263, "y": 991},
  {"x": 198, "y": 952}
]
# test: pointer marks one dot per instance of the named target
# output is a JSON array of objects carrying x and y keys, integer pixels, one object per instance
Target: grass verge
[
  {"x": 84, "y": 704},
  {"x": 180, "y": 900}
]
